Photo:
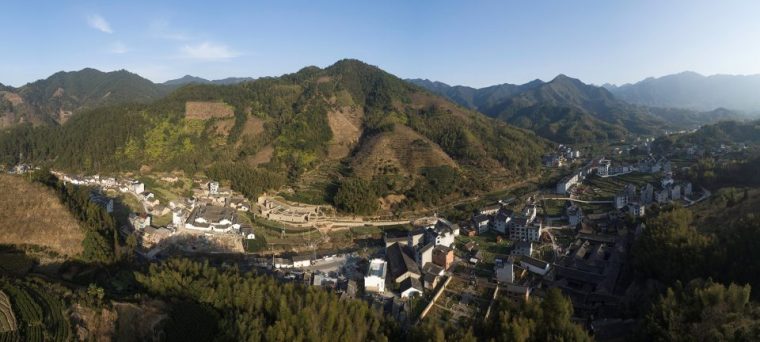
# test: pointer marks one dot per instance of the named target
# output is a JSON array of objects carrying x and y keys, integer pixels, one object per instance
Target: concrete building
[
  {"x": 374, "y": 281},
  {"x": 401, "y": 263},
  {"x": 410, "y": 287},
  {"x": 533, "y": 265},
  {"x": 443, "y": 256},
  {"x": 636, "y": 209},
  {"x": 213, "y": 187},
  {"x": 138, "y": 187},
  {"x": 505, "y": 273},
  {"x": 481, "y": 223},
  {"x": 524, "y": 248}
]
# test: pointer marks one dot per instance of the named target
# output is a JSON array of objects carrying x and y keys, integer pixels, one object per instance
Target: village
[{"x": 574, "y": 236}]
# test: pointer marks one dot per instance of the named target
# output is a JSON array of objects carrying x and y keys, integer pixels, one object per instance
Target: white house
[
  {"x": 138, "y": 187},
  {"x": 501, "y": 222},
  {"x": 481, "y": 223},
  {"x": 564, "y": 185},
  {"x": 425, "y": 254},
  {"x": 620, "y": 200},
  {"x": 374, "y": 281},
  {"x": 522, "y": 248},
  {"x": 410, "y": 287},
  {"x": 282, "y": 263},
  {"x": 636, "y": 209},
  {"x": 213, "y": 219},
  {"x": 675, "y": 192},
  {"x": 536, "y": 266},
  {"x": 213, "y": 187},
  {"x": 301, "y": 261}
]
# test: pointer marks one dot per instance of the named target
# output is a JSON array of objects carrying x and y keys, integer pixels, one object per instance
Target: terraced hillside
[
  {"x": 40, "y": 315},
  {"x": 7, "y": 317}
]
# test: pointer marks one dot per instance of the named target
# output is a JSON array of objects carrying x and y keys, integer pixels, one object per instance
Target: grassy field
[
  {"x": 553, "y": 208},
  {"x": 32, "y": 214}
]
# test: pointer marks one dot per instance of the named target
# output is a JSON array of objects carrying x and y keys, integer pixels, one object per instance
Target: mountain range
[
  {"x": 63, "y": 94},
  {"x": 188, "y": 79},
  {"x": 349, "y": 120},
  {"x": 691, "y": 90},
  {"x": 567, "y": 110}
]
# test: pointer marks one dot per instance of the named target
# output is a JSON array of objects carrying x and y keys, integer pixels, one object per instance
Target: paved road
[
  {"x": 327, "y": 265},
  {"x": 575, "y": 200}
]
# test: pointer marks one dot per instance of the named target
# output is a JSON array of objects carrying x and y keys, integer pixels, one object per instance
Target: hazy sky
[{"x": 476, "y": 43}]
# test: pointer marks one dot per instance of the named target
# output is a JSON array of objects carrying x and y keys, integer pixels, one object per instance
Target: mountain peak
[{"x": 564, "y": 78}]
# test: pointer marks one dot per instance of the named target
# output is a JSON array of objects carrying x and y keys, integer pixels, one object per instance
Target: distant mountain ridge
[
  {"x": 189, "y": 79},
  {"x": 694, "y": 91},
  {"x": 54, "y": 100},
  {"x": 568, "y": 110},
  {"x": 63, "y": 94}
]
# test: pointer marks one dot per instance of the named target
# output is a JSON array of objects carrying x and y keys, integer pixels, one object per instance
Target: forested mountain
[
  {"x": 694, "y": 91},
  {"x": 725, "y": 132},
  {"x": 567, "y": 110},
  {"x": 564, "y": 109},
  {"x": 350, "y": 120},
  {"x": 58, "y": 97},
  {"x": 188, "y": 79}
]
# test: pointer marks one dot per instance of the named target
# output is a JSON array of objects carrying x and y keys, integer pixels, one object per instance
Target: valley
[{"x": 370, "y": 193}]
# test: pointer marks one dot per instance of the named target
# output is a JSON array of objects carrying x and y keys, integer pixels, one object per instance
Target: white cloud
[
  {"x": 208, "y": 51},
  {"x": 118, "y": 48},
  {"x": 99, "y": 23},
  {"x": 162, "y": 30}
]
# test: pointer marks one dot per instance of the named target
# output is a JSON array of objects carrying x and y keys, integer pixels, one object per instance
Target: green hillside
[
  {"x": 370, "y": 124},
  {"x": 567, "y": 110},
  {"x": 56, "y": 99}
]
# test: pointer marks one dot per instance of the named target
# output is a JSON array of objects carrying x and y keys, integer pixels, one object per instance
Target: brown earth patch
[
  {"x": 13, "y": 98},
  {"x": 262, "y": 157},
  {"x": 345, "y": 124},
  {"x": 387, "y": 202},
  {"x": 31, "y": 214},
  {"x": 402, "y": 150},
  {"x": 93, "y": 325},
  {"x": 223, "y": 127},
  {"x": 202, "y": 110},
  {"x": 140, "y": 322}
]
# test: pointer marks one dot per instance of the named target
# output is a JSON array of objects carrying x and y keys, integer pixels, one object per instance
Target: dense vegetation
[
  {"x": 283, "y": 127},
  {"x": 249, "y": 182},
  {"x": 547, "y": 319},
  {"x": 568, "y": 111},
  {"x": 41, "y": 315},
  {"x": 54, "y": 99},
  {"x": 259, "y": 308},
  {"x": 703, "y": 311},
  {"x": 356, "y": 195},
  {"x": 101, "y": 238}
]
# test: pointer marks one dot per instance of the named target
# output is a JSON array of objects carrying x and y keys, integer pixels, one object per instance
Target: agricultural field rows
[{"x": 40, "y": 316}]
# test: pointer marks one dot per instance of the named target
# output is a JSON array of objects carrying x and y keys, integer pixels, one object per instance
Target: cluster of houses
[
  {"x": 522, "y": 226},
  {"x": 666, "y": 191},
  {"x": 561, "y": 157},
  {"x": 604, "y": 168},
  {"x": 588, "y": 273},
  {"x": 414, "y": 260}
]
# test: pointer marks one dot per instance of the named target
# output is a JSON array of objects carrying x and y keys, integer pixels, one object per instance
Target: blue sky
[{"x": 475, "y": 43}]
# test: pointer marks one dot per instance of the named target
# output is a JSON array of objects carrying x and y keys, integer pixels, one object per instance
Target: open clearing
[{"x": 31, "y": 214}]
